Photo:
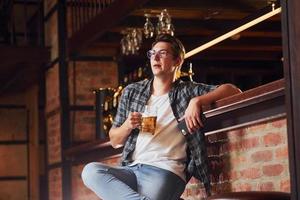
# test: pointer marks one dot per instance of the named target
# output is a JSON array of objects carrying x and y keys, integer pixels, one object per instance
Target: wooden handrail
[{"x": 254, "y": 106}]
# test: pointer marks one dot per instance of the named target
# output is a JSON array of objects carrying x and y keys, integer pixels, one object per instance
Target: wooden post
[
  {"x": 33, "y": 131},
  {"x": 291, "y": 54}
]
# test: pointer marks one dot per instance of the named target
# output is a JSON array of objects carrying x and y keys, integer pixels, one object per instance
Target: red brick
[
  {"x": 272, "y": 139},
  {"x": 285, "y": 186},
  {"x": 52, "y": 89},
  {"x": 54, "y": 139},
  {"x": 282, "y": 153},
  {"x": 55, "y": 184},
  {"x": 267, "y": 186},
  {"x": 273, "y": 170},
  {"x": 231, "y": 175},
  {"x": 251, "y": 173},
  {"x": 279, "y": 123},
  {"x": 242, "y": 187},
  {"x": 258, "y": 127},
  {"x": 244, "y": 144},
  {"x": 236, "y": 133},
  {"x": 259, "y": 156},
  {"x": 237, "y": 160}
]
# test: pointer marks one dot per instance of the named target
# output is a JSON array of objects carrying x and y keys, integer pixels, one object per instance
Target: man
[{"x": 158, "y": 166}]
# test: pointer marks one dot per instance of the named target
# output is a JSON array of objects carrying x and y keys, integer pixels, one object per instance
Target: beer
[
  {"x": 149, "y": 124},
  {"x": 149, "y": 118}
]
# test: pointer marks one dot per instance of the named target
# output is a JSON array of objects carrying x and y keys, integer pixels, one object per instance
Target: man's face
[{"x": 162, "y": 60}]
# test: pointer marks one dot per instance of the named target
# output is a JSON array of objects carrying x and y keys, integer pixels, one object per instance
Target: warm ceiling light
[{"x": 233, "y": 32}]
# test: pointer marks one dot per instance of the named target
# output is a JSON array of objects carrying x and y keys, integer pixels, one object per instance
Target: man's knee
[{"x": 90, "y": 172}]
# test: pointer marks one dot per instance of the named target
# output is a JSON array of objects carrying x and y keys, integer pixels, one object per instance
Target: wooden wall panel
[
  {"x": 15, "y": 157},
  {"x": 13, "y": 190},
  {"x": 12, "y": 124}
]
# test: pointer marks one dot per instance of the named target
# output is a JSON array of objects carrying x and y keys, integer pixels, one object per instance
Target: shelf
[{"x": 89, "y": 151}]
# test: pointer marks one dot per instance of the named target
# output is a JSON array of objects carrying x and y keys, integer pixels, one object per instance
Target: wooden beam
[
  {"x": 238, "y": 56},
  {"x": 216, "y": 4},
  {"x": 272, "y": 48},
  {"x": 100, "y": 24},
  {"x": 200, "y": 31},
  {"x": 200, "y": 13},
  {"x": 215, "y": 24}
]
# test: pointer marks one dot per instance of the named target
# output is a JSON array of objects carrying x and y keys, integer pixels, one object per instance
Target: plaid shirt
[{"x": 135, "y": 97}]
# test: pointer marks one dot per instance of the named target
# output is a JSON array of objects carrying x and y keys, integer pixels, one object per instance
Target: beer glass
[{"x": 149, "y": 118}]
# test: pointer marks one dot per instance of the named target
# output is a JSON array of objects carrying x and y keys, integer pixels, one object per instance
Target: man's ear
[{"x": 179, "y": 62}]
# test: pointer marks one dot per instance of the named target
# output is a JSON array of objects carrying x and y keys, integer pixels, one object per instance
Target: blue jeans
[{"x": 138, "y": 182}]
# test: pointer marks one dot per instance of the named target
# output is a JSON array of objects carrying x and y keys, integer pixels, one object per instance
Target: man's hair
[{"x": 176, "y": 45}]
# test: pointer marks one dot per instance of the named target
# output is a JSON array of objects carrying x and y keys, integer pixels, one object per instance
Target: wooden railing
[
  {"x": 258, "y": 105},
  {"x": 92, "y": 18},
  {"x": 254, "y": 106},
  {"x": 21, "y": 23},
  {"x": 82, "y": 11}
]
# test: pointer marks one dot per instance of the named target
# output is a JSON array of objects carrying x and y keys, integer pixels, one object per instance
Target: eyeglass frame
[{"x": 163, "y": 53}]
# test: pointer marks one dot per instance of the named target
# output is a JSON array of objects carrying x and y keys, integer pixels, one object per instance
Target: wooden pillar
[
  {"x": 64, "y": 99},
  {"x": 33, "y": 128},
  {"x": 291, "y": 45}
]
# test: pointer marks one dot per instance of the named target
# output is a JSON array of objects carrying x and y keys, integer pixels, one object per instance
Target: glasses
[{"x": 161, "y": 53}]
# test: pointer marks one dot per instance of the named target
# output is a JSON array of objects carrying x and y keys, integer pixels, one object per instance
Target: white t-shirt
[{"x": 165, "y": 149}]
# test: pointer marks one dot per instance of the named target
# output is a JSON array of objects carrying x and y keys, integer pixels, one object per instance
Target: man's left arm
[{"x": 193, "y": 111}]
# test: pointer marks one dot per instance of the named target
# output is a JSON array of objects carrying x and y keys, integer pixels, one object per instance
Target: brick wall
[
  {"x": 250, "y": 159},
  {"x": 55, "y": 184},
  {"x": 254, "y": 158},
  {"x": 84, "y": 77}
]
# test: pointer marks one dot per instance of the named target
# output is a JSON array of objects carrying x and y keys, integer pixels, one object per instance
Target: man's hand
[
  {"x": 118, "y": 135},
  {"x": 133, "y": 120},
  {"x": 192, "y": 115}
]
